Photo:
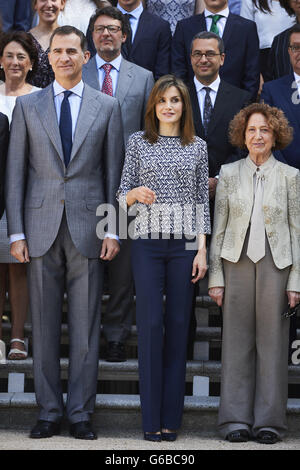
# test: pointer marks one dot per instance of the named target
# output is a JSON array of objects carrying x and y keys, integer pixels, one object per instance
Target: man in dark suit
[
  {"x": 16, "y": 15},
  {"x": 241, "y": 67},
  {"x": 214, "y": 102},
  {"x": 131, "y": 85},
  {"x": 65, "y": 159},
  {"x": 284, "y": 94},
  {"x": 149, "y": 42}
]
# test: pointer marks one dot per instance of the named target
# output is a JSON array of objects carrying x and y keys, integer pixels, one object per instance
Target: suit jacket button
[{"x": 62, "y": 201}]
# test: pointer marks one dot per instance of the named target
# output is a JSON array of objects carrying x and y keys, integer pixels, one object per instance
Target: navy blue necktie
[
  {"x": 65, "y": 127},
  {"x": 207, "y": 109}
]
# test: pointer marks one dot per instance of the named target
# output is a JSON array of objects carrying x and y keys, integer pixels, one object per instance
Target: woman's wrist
[{"x": 130, "y": 197}]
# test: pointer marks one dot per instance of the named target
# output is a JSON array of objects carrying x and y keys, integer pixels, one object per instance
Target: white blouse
[{"x": 268, "y": 24}]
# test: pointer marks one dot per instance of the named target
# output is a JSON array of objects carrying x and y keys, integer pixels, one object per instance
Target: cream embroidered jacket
[{"x": 233, "y": 207}]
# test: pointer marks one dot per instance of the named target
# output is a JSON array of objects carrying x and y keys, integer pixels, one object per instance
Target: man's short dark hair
[
  {"x": 112, "y": 12},
  {"x": 209, "y": 35},
  {"x": 292, "y": 30},
  {"x": 66, "y": 30}
]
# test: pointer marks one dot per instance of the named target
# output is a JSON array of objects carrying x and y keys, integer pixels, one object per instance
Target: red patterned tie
[{"x": 107, "y": 82}]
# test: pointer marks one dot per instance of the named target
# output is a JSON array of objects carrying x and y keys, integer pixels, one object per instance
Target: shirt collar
[
  {"x": 265, "y": 167},
  {"x": 116, "y": 63},
  {"x": 213, "y": 86},
  {"x": 135, "y": 13},
  {"x": 297, "y": 78},
  {"x": 77, "y": 89},
  {"x": 224, "y": 12}
]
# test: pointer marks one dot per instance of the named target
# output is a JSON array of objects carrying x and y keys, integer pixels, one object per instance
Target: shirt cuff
[
  {"x": 112, "y": 235},
  {"x": 16, "y": 237}
]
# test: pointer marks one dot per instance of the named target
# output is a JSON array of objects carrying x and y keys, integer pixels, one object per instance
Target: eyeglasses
[
  {"x": 110, "y": 28},
  {"x": 291, "y": 311},
  {"x": 295, "y": 49},
  {"x": 207, "y": 55}
]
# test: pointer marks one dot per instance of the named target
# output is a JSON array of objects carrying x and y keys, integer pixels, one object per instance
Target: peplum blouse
[{"x": 179, "y": 177}]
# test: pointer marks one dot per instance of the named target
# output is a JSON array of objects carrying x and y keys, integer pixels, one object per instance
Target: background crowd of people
[{"x": 199, "y": 108}]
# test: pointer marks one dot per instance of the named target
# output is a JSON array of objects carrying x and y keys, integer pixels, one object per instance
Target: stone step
[
  {"x": 128, "y": 371},
  {"x": 20, "y": 411}
]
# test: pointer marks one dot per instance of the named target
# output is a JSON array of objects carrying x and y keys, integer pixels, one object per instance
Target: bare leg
[{"x": 18, "y": 296}]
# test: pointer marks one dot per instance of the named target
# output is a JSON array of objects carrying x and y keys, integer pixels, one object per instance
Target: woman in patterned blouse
[
  {"x": 165, "y": 180},
  {"x": 47, "y": 13}
]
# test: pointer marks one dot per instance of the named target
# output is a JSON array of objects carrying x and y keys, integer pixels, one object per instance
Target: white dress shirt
[
  {"x": 214, "y": 86},
  {"x": 114, "y": 73},
  {"x": 134, "y": 17},
  {"x": 75, "y": 103},
  {"x": 222, "y": 21}
]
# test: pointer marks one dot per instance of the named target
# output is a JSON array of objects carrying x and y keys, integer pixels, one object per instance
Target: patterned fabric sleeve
[
  {"x": 216, "y": 275},
  {"x": 130, "y": 173},
  {"x": 294, "y": 225},
  {"x": 202, "y": 200}
]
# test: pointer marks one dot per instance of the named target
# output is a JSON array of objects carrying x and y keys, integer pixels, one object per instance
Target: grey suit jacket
[
  {"x": 133, "y": 89},
  {"x": 39, "y": 186}
]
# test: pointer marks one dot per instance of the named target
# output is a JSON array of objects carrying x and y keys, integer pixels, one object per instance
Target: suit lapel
[
  {"x": 124, "y": 80},
  {"x": 142, "y": 27},
  {"x": 89, "y": 110},
  {"x": 199, "y": 129},
  {"x": 229, "y": 28},
  {"x": 46, "y": 111},
  {"x": 90, "y": 71},
  {"x": 221, "y": 104}
]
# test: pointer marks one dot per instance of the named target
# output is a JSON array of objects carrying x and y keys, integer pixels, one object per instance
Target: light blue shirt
[
  {"x": 134, "y": 17},
  {"x": 235, "y": 6},
  {"x": 114, "y": 73},
  {"x": 74, "y": 100}
]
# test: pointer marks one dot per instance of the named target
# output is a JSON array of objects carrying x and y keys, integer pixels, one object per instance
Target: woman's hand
[
  {"x": 216, "y": 294},
  {"x": 293, "y": 298},
  {"x": 141, "y": 194},
  {"x": 199, "y": 266}
]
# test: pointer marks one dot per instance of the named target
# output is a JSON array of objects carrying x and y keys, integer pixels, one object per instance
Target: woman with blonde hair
[{"x": 165, "y": 177}]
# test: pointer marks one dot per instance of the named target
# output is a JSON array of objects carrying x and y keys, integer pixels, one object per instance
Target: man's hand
[
  {"x": 212, "y": 184},
  {"x": 19, "y": 250},
  {"x": 110, "y": 249}
]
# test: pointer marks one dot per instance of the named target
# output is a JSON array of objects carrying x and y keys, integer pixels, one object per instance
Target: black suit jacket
[
  {"x": 241, "y": 66},
  {"x": 151, "y": 48},
  {"x": 4, "y": 136},
  {"x": 229, "y": 101},
  {"x": 279, "y": 63}
]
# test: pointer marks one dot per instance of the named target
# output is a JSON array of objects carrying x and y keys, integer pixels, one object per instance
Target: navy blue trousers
[{"x": 162, "y": 266}]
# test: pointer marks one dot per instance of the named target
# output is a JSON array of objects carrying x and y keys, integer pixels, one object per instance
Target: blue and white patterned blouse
[
  {"x": 171, "y": 10},
  {"x": 179, "y": 177}
]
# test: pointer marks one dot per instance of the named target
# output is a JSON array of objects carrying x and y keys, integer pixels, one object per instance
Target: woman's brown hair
[
  {"x": 277, "y": 121},
  {"x": 187, "y": 130}
]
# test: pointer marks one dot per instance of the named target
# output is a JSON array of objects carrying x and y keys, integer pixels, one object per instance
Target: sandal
[
  {"x": 13, "y": 351},
  {"x": 2, "y": 352}
]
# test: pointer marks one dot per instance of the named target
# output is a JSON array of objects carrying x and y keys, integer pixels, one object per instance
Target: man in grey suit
[
  {"x": 109, "y": 72},
  {"x": 65, "y": 159}
]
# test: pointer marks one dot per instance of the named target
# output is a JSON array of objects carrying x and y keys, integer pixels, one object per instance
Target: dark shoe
[
  {"x": 267, "y": 437},
  {"x": 168, "y": 436},
  {"x": 240, "y": 435},
  {"x": 115, "y": 352},
  {"x": 82, "y": 430},
  {"x": 44, "y": 429},
  {"x": 150, "y": 436}
]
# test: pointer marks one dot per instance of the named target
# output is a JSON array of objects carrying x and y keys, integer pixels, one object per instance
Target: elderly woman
[
  {"x": 165, "y": 177},
  {"x": 254, "y": 274}
]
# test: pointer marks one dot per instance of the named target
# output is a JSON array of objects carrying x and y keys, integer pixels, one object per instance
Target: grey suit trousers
[
  {"x": 62, "y": 269},
  {"x": 254, "y": 383}
]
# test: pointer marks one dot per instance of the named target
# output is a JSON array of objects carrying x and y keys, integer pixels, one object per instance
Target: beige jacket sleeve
[{"x": 294, "y": 224}]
